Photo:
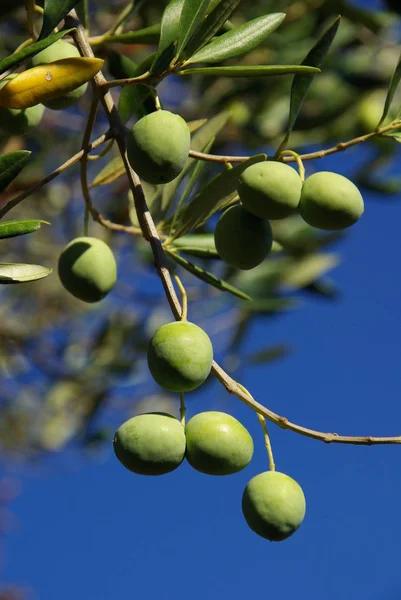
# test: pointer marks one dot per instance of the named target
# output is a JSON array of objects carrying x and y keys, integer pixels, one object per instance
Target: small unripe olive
[
  {"x": 217, "y": 444},
  {"x": 19, "y": 121},
  {"x": 158, "y": 146},
  {"x": 87, "y": 269},
  {"x": 273, "y": 505},
  {"x": 180, "y": 356},
  {"x": 270, "y": 189},
  {"x": 150, "y": 444},
  {"x": 58, "y": 51},
  {"x": 330, "y": 201},
  {"x": 242, "y": 240}
]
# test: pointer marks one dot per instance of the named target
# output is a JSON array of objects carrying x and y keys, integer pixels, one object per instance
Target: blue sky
[{"x": 94, "y": 530}]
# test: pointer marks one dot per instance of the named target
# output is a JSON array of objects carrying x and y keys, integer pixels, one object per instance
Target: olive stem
[
  {"x": 298, "y": 159},
  {"x": 84, "y": 159},
  {"x": 184, "y": 297},
  {"x": 262, "y": 421},
  {"x": 183, "y": 409}
]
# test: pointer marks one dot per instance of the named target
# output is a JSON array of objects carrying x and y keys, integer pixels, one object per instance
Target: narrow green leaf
[
  {"x": 238, "y": 41},
  {"x": 395, "y": 80},
  {"x": 147, "y": 35},
  {"x": 211, "y": 25},
  {"x": 251, "y": 71},
  {"x": 110, "y": 172},
  {"x": 55, "y": 11},
  {"x": 169, "y": 33},
  {"x": 216, "y": 193},
  {"x": 270, "y": 305},
  {"x": 198, "y": 141},
  {"x": 20, "y": 273},
  {"x": 11, "y": 165},
  {"x": 14, "y": 59},
  {"x": 199, "y": 166},
  {"x": 301, "y": 82},
  {"x": 208, "y": 277},
  {"x": 120, "y": 66},
  {"x": 197, "y": 244},
  {"x": 304, "y": 271},
  {"x": 136, "y": 99},
  {"x": 193, "y": 13},
  {"x": 10, "y": 229}
]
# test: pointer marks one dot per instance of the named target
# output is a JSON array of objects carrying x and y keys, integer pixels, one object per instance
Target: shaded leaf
[
  {"x": 217, "y": 192},
  {"x": 110, "y": 172},
  {"x": 395, "y": 80},
  {"x": 239, "y": 40},
  {"x": 308, "y": 269},
  {"x": 12, "y": 61},
  {"x": 170, "y": 28},
  {"x": 20, "y": 273},
  {"x": 211, "y": 24},
  {"x": 198, "y": 141},
  {"x": 147, "y": 35},
  {"x": 209, "y": 278},
  {"x": 269, "y": 354},
  {"x": 301, "y": 82},
  {"x": 10, "y": 229},
  {"x": 54, "y": 12},
  {"x": 120, "y": 66},
  {"x": 192, "y": 14},
  {"x": 250, "y": 71},
  {"x": 136, "y": 99},
  {"x": 11, "y": 165},
  {"x": 270, "y": 305}
]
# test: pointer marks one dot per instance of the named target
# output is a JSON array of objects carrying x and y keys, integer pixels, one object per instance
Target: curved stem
[
  {"x": 183, "y": 409},
  {"x": 184, "y": 298}
]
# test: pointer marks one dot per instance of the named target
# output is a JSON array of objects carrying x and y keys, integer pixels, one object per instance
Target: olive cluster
[
  {"x": 272, "y": 190},
  {"x": 180, "y": 356}
]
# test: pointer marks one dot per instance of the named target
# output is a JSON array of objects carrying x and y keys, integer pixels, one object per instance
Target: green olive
[
  {"x": 270, "y": 190},
  {"x": 242, "y": 240},
  {"x": 330, "y": 201},
  {"x": 58, "y": 51},
  {"x": 180, "y": 356},
  {"x": 17, "y": 121},
  {"x": 150, "y": 444},
  {"x": 217, "y": 444},
  {"x": 273, "y": 505},
  {"x": 158, "y": 146},
  {"x": 87, "y": 269}
]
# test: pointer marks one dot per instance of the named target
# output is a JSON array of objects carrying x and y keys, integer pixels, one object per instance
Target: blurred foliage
[{"x": 71, "y": 372}]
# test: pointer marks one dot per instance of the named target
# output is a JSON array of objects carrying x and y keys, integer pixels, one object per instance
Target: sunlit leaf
[
  {"x": 395, "y": 80},
  {"x": 110, "y": 172},
  {"x": 192, "y": 14},
  {"x": 307, "y": 270},
  {"x": 197, "y": 244},
  {"x": 10, "y": 229},
  {"x": 20, "y": 273},
  {"x": 170, "y": 28},
  {"x": 249, "y": 71},
  {"x": 239, "y": 40}
]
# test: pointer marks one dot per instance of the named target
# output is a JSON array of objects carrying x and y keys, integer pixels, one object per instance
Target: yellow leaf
[{"x": 48, "y": 81}]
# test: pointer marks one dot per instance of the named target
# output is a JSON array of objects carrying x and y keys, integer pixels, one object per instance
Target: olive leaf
[
  {"x": 302, "y": 82},
  {"x": 215, "y": 195},
  {"x": 251, "y": 71},
  {"x": 54, "y": 12},
  {"x": 11, "y": 164},
  {"x": 192, "y": 14},
  {"x": 20, "y": 273},
  {"x": 120, "y": 66},
  {"x": 14, "y": 59},
  {"x": 208, "y": 277},
  {"x": 147, "y": 35},
  {"x": 10, "y": 229},
  {"x": 211, "y": 25},
  {"x": 267, "y": 355},
  {"x": 395, "y": 80},
  {"x": 110, "y": 172},
  {"x": 302, "y": 272},
  {"x": 197, "y": 244},
  {"x": 239, "y": 40},
  {"x": 169, "y": 32}
]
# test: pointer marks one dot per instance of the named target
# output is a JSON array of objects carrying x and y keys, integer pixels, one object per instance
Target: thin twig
[
  {"x": 84, "y": 160},
  {"x": 68, "y": 163}
]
